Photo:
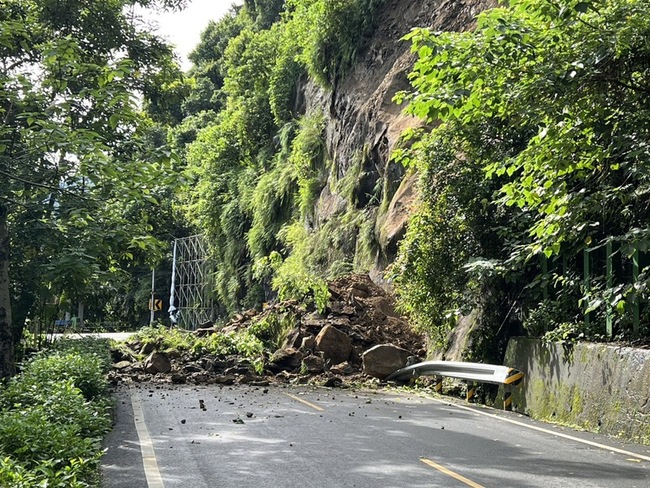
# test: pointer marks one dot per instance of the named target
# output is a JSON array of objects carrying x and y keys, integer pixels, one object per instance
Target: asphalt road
[
  {"x": 116, "y": 336},
  {"x": 208, "y": 437}
]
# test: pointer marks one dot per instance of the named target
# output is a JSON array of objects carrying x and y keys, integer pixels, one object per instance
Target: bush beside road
[{"x": 54, "y": 415}]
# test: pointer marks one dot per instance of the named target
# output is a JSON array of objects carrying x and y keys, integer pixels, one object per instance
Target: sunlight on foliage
[{"x": 551, "y": 100}]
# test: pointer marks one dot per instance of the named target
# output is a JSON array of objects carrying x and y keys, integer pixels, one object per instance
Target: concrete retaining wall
[{"x": 593, "y": 386}]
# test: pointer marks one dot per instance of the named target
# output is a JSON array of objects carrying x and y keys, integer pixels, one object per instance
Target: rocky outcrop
[
  {"x": 391, "y": 225},
  {"x": 364, "y": 125}
]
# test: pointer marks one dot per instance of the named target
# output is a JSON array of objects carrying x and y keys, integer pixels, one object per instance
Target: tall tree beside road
[
  {"x": 550, "y": 100},
  {"x": 72, "y": 142}
]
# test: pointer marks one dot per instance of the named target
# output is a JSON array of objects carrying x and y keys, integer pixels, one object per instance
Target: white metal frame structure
[{"x": 191, "y": 300}]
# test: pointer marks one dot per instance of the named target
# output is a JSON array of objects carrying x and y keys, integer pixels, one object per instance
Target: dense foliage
[
  {"x": 53, "y": 417},
  {"x": 533, "y": 165},
  {"x": 549, "y": 101},
  {"x": 256, "y": 162},
  {"x": 81, "y": 171}
]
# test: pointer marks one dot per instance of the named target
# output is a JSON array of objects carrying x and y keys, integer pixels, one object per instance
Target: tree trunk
[
  {"x": 80, "y": 316},
  {"x": 7, "y": 361}
]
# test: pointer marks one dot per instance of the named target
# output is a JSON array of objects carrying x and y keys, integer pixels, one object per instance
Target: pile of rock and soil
[{"x": 359, "y": 336}]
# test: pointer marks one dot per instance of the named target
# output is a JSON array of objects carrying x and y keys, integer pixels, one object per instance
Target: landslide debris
[{"x": 302, "y": 345}]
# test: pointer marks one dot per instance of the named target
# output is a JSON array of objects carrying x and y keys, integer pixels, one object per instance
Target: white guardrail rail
[{"x": 478, "y": 372}]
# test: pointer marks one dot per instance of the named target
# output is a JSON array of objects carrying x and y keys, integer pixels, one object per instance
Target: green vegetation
[
  {"x": 97, "y": 182},
  {"x": 53, "y": 417},
  {"x": 256, "y": 169},
  {"x": 542, "y": 156},
  {"x": 83, "y": 170},
  {"x": 536, "y": 172},
  {"x": 264, "y": 336},
  {"x": 533, "y": 166}
]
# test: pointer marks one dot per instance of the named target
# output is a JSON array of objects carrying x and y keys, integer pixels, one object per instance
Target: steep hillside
[
  {"x": 287, "y": 137},
  {"x": 364, "y": 125}
]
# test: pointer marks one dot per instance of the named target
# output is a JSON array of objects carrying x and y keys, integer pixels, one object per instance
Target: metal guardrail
[{"x": 479, "y": 372}]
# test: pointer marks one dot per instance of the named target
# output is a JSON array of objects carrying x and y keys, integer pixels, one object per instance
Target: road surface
[
  {"x": 257, "y": 437},
  {"x": 116, "y": 336}
]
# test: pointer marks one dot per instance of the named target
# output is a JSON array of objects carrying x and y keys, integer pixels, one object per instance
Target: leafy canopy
[
  {"x": 550, "y": 98},
  {"x": 567, "y": 77}
]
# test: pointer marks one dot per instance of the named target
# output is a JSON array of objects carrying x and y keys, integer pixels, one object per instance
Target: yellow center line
[
  {"x": 154, "y": 480},
  {"x": 309, "y": 404},
  {"x": 449, "y": 472}
]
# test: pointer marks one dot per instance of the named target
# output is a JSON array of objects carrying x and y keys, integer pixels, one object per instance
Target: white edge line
[
  {"x": 546, "y": 431},
  {"x": 149, "y": 462}
]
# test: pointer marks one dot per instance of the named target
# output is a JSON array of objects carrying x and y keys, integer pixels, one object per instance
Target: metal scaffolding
[{"x": 191, "y": 300}]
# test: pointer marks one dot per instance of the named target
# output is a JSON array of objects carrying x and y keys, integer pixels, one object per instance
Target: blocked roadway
[{"x": 269, "y": 437}]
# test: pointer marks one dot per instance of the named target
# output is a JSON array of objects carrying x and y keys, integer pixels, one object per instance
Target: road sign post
[{"x": 152, "y": 301}]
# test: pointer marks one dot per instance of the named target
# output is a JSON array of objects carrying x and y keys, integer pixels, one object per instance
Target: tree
[
  {"x": 264, "y": 12},
  {"x": 551, "y": 98},
  {"x": 71, "y": 142}
]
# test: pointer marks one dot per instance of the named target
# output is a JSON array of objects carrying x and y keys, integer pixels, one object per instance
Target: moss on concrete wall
[{"x": 592, "y": 386}]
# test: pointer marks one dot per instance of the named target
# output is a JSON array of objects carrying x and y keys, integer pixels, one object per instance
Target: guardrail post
[
  {"x": 471, "y": 390},
  {"x": 438, "y": 384},
  {"x": 507, "y": 399}
]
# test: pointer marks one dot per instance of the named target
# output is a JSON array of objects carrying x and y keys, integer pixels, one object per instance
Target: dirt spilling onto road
[{"x": 331, "y": 348}]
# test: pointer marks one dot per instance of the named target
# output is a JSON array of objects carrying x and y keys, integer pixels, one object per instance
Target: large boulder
[
  {"x": 384, "y": 359},
  {"x": 157, "y": 362},
  {"x": 335, "y": 345}
]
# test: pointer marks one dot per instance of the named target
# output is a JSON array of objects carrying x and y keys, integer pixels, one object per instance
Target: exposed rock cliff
[{"x": 364, "y": 126}]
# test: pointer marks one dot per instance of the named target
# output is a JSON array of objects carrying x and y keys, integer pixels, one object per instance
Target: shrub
[
  {"x": 44, "y": 473},
  {"x": 99, "y": 349},
  {"x": 85, "y": 371},
  {"x": 53, "y": 418},
  {"x": 57, "y": 400}
]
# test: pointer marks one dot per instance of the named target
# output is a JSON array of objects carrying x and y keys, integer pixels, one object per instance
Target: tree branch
[
  {"x": 35, "y": 218},
  {"x": 46, "y": 187}
]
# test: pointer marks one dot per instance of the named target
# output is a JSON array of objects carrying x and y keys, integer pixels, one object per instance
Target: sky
[{"x": 183, "y": 29}]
